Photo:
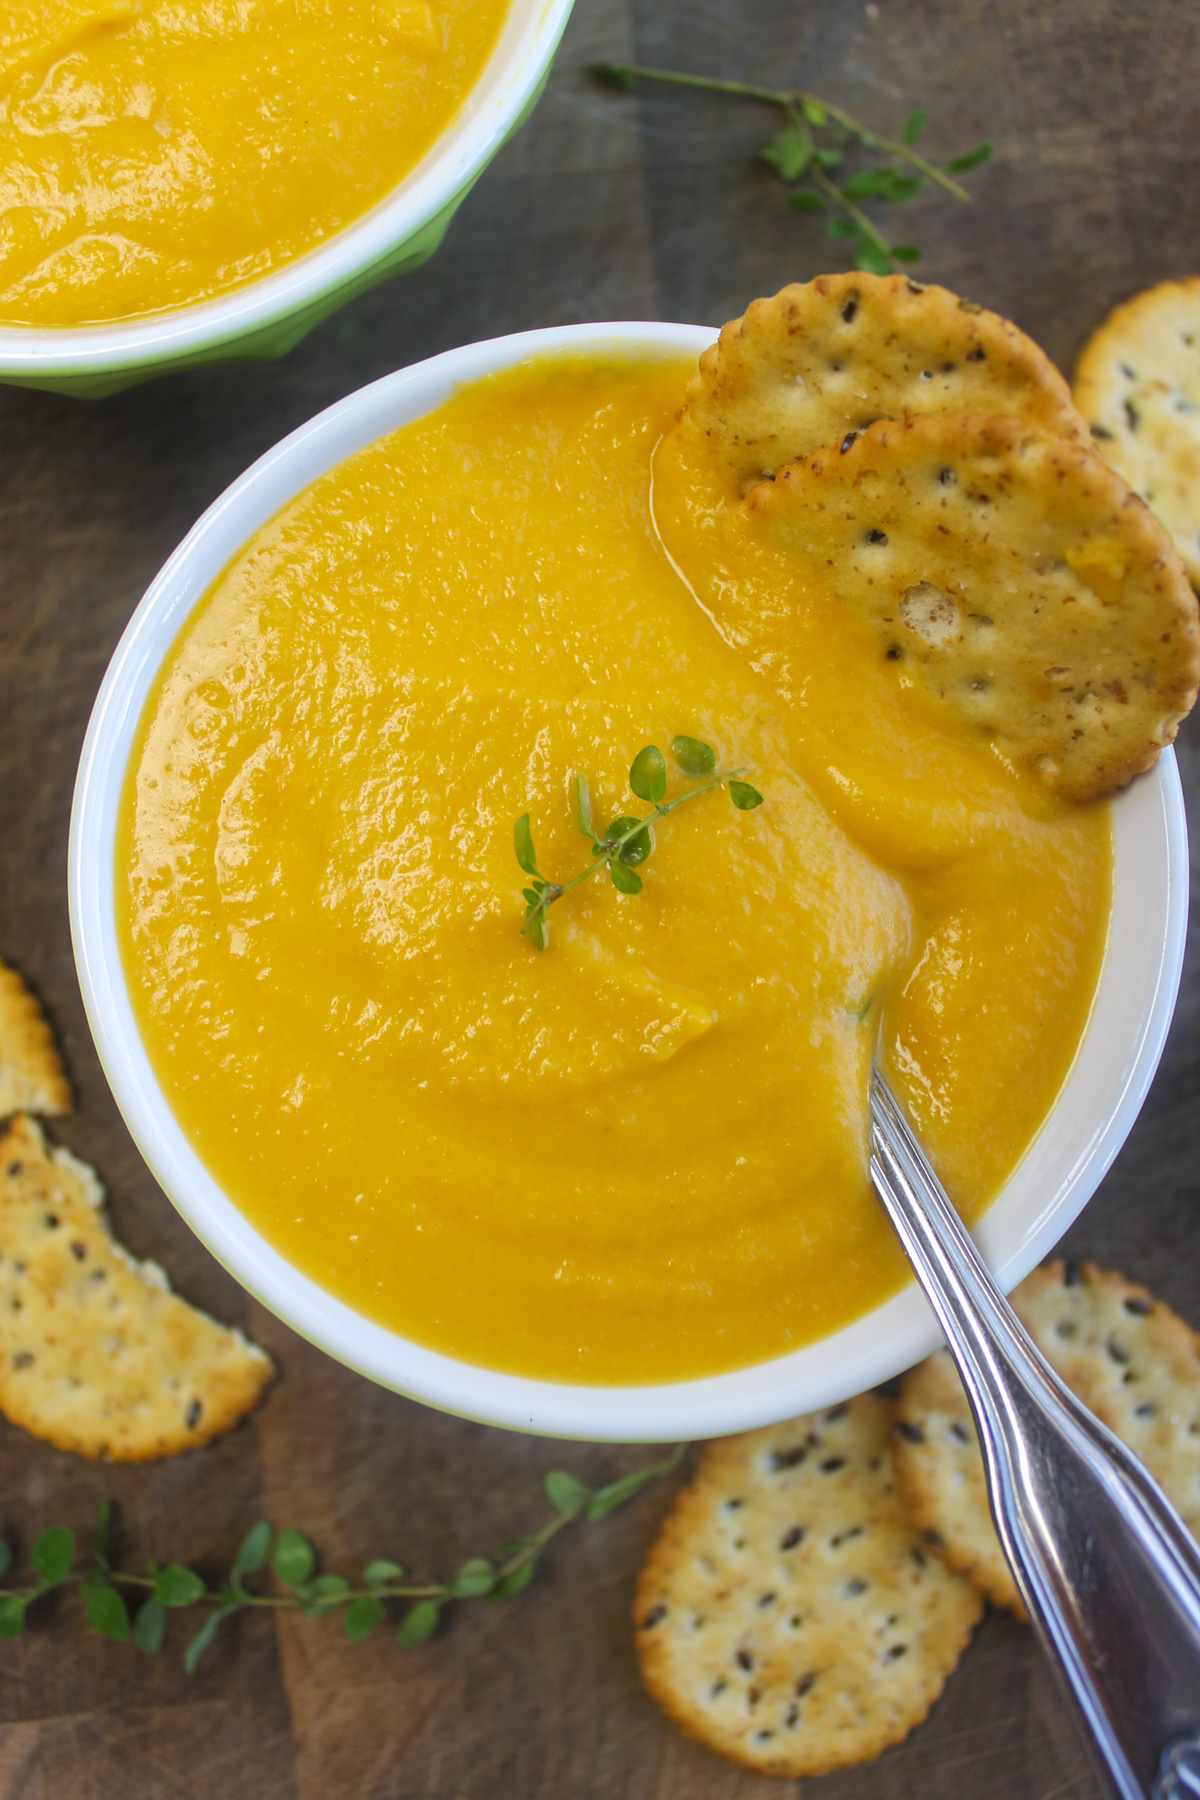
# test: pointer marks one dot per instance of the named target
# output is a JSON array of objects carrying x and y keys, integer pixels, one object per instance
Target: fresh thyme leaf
[
  {"x": 744, "y": 797},
  {"x": 566, "y": 1493},
  {"x": 814, "y": 112},
  {"x": 535, "y": 930},
  {"x": 828, "y": 159},
  {"x": 583, "y": 806},
  {"x": 804, "y": 201},
  {"x": 53, "y": 1553},
  {"x": 693, "y": 755},
  {"x": 868, "y": 255},
  {"x": 914, "y": 125},
  {"x": 252, "y": 1553},
  {"x": 624, "y": 879},
  {"x": 908, "y": 253},
  {"x": 515, "y": 1582},
  {"x": 640, "y": 845},
  {"x": 419, "y": 1622},
  {"x": 380, "y": 1571},
  {"x": 150, "y": 1626},
  {"x": 12, "y": 1614},
  {"x": 842, "y": 228},
  {"x": 177, "y": 1586},
  {"x": 614, "y": 76},
  {"x": 106, "y": 1610},
  {"x": 476, "y": 1576},
  {"x": 523, "y": 845},
  {"x": 294, "y": 1559},
  {"x": 788, "y": 152},
  {"x": 5, "y": 1557},
  {"x": 362, "y": 1616},
  {"x": 323, "y": 1592},
  {"x": 867, "y": 184},
  {"x": 971, "y": 159},
  {"x": 648, "y": 775},
  {"x": 100, "y": 1548},
  {"x": 204, "y": 1637}
]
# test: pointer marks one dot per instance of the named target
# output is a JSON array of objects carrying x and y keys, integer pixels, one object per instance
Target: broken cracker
[
  {"x": 96, "y": 1354},
  {"x": 1033, "y": 591},
  {"x": 1125, "y": 1354},
  {"x": 31, "y": 1075},
  {"x": 831, "y": 356},
  {"x": 788, "y": 1615},
  {"x": 1138, "y": 385}
]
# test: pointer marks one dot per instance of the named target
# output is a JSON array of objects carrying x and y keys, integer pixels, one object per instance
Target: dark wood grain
[{"x": 605, "y": 207}]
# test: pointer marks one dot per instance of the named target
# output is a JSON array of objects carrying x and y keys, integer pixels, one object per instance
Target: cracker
[
  {"x": 1129, "y": 1358},
  {"x": 1037, "y": 596},
  {"x": 1138, "y": 385},
  {"x": 939, "y": 1472},
  {"x": 31, "y": 1075},
  {"x": 788, "y": 1615},
  {"x": 832, "y": 355},
  {"x": 96, "y": 1354}
]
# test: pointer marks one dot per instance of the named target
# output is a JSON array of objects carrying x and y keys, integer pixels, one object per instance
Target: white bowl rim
[
  {"x": 487, "y": 114},
  {"x": 1090, "y": 1120}
]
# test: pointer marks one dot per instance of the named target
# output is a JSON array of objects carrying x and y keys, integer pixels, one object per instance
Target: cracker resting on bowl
[
  {"x": 1128, "y": 1357},
  {"x": 1037, "y": 596},
  {"x": 31, "y": 1075},
  {"x": 788, "y": 1615},
  {"x": 96, "y": 1354},
  {"x": 830, "y": 356},
  {"x": 1138, "y": 385}
]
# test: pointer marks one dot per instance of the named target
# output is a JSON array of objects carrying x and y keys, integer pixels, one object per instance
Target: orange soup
[{"x": 639, "y": 1155}]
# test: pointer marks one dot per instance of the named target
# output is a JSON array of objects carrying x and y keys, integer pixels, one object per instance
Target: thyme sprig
[
  {"x": 812, "y": 142},
  {"x": 362, "y": 1604},
  {"x": 629, "y": 839}
]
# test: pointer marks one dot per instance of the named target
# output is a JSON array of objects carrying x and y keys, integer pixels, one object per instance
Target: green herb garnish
[
  {"x": 811, "y": 144},
  {"x": 362, "y": 1604},
  {"x": 629, "y": 839}
]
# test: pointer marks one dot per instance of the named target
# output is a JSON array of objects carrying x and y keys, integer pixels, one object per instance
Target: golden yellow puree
[
  {"x": 154, "y": 152},
  {"x": 638, "y": 1156}
]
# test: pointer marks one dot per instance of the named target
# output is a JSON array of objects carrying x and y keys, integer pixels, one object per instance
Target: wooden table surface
[{"x": 605, "y": 207}]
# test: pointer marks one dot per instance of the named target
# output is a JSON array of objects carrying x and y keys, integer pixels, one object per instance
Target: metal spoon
[{"x": 1108, "y": 1572}]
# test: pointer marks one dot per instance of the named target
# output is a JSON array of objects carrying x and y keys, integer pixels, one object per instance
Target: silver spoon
[{"x": 1108, "y": 1572}]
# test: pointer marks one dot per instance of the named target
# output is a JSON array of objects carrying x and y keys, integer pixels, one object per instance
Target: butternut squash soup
[
  {"x": 156, "y": 152},
  {"x": 639, "y": 1154}
]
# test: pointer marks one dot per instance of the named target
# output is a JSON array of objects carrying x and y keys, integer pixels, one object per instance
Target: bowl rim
[
  {"x": 486, "y": 116},
  {"x": 1090, "y": 1119}
]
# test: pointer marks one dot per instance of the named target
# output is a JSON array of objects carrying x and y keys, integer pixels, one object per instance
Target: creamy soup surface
[
  {"x": 155, "y": 152},
  {"x": 639, "y": 1155}
]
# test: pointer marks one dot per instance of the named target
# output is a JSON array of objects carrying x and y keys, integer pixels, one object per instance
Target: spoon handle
[{"x": 1109, "y": 1574}]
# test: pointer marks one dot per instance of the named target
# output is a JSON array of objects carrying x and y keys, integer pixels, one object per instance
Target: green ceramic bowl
[{"x": 268, "y": 316}]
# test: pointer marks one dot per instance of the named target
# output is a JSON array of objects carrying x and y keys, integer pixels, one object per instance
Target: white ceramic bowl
[
  {"x": 1093, "y": 1114},
  {"x": 269, "y": 316}
]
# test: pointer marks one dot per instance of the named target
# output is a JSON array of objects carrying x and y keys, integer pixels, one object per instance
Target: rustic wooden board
[{"x": 605, "y": 207}]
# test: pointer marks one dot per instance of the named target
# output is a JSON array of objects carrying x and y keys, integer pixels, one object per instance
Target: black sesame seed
[
  {"x": 935, "y": 1538},
  {"x": 959, "y": 1430},
  {"x": 789, "y": 1459},
  {"x": 791, "y": 1538},
  {"x": 912, "y": 1434},
  {"x": 22, "y": 1359},
  {"x": 894, "y": 653},
  {"x": 832, "y": 1464},
  {"x": 1065, "y": 1328},
  {"x": 192, "y": 1416},
  {"x": 896, "y": 1651},
  {"x": 718, "y": 1687},
  {"x": 763, "y": 1736},
  {"x": 1131, "y": 415},
  {"x": 1118, "y": 1352},
  {"x": 1140, "y": 1308},
  {"x": 791, "y": 1716},
  {"x": 837, "y": 1412},
  {"x": 1127, "y": 371},
  {"x": 732, "y": 1505},
  {"x": 806, "y": 1684},
  {"x": 767, "y": 1599},
  {"x": 744, "y": 1660},
  {"x": 843, "y": 1537},
  {"x": 947, "y": 477},
  {"x": 1101, "y": 431},
  {"x": 947, "y": 368},
  {"x": 876, "y": 537},
  {"x": 51, "y": 1222},
  {"x": 79, "y": 1250},
  {"x": 654, "y": 1617},
  {"x": 1072, "y": 1274},
  {"x": 14, "y": 1168},
  {"x": 856, "y": 1585},
  {"x": 849, "y": 310},
  {"x": 848, "y": 440},
  {"x": 977, "y": 354}
]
